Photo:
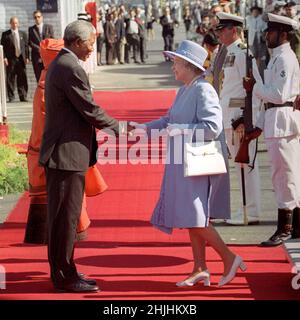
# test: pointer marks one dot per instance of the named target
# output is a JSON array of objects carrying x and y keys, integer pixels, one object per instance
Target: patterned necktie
[{"x": 17, "y": 45}]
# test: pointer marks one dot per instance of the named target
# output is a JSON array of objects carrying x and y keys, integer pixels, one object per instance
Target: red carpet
[{"x": 128, "y": 257}]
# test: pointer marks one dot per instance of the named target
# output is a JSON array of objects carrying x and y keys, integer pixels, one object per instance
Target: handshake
[{"x": 173, "y": 129}]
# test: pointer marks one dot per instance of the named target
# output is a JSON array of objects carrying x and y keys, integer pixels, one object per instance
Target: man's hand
[
  {"x": 297, "y": 103},
  {"x": 27, "y": 61},
  {"x": 249, "y": 82},
  {"x": 136, "y": 125},
  {"x": 6, "y": 61},
  {"x": 129, "y": 130},
  {"x": 253, "y": 134},
  {"x": 175, "y": 129},
  {"x": 240, "y": 131}
]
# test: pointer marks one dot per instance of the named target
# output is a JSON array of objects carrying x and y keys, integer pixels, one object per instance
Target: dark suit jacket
[
  {"x": 34, "y": 38},
  {"x": 167, "y": 27},
  {"x": 120, "y": 28},
  {"x": 7, "y": 41},
  {"x": 69, "y": 139}
]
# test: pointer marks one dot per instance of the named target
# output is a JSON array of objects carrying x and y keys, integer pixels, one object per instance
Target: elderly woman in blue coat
[{"x": 190, "y": 202}]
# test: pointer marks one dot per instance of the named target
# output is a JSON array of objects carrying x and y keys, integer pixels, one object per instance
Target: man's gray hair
[{"x": 77, "y": 30}]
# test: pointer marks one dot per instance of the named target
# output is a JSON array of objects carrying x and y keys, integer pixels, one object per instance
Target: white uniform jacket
[
  {"x": 234, "y": 71},
  {"x": 282, "y": 84}
]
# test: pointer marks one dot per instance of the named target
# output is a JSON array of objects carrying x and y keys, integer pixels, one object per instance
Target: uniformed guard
[
  {"x": 281, "y": 125},
  {"x": 232, "y": 100}
]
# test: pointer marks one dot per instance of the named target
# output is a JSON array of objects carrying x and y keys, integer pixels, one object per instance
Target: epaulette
[{"x": 242, "y": 45}]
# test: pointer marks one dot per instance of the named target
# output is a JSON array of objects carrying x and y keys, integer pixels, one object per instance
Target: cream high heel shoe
[
  {"x": 237, "y": 263},
  {"x": 201, "y": 276}
]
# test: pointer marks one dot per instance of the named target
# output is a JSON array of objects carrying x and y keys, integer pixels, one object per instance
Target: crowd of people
[{"x": 16, "y": 44}]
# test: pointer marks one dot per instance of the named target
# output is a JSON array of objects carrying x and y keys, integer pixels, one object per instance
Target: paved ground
[{"x": 157, "y": 74}]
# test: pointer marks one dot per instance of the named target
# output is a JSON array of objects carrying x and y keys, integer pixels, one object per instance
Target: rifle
[{"x": 242, "y": 155}]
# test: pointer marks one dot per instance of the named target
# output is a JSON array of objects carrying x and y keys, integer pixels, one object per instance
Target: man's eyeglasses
[{"x": 37, "y": 17}]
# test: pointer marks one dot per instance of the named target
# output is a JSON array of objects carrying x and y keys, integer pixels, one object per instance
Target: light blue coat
[{"x": 187, "y": 202}]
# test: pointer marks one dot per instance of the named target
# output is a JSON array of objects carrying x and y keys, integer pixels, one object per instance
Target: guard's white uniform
[
  {"x": 281, "y": 125},
  {"x": 234, "y": 71}
]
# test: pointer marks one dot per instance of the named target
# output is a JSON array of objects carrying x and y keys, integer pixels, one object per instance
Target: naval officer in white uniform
[
  {"x": 281, "y": 125},
  {"x": 229, "y": 30}
]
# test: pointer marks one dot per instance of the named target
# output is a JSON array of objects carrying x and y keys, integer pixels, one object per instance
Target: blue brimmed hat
[{"x": 191, "y": 52}]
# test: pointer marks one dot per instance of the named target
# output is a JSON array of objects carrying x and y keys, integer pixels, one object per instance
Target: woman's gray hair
[
  {"x": 77, "y": 30},
  {"x": 193, "y": 68}
]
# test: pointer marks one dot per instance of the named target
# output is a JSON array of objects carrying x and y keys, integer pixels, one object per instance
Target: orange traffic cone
[{"x": 94, "y": 182}]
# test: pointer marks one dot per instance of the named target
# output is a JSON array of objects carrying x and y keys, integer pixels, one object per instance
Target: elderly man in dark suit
[
  {"x": 37, "y": 33},
  {"x": 68, "y": 148},
  {"x": 16, "y": 56}
]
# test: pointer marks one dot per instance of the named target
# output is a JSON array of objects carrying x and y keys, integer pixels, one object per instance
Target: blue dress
[{"x": 187, "y": 202}]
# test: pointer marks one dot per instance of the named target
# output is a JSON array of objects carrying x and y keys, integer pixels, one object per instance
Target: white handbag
[{"x": 203, "y": 159}]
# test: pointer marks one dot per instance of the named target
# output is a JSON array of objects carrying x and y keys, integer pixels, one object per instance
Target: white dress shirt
[{"x": 40, "y": 27}]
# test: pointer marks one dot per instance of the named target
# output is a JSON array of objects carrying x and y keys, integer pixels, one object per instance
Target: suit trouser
[
  {"x": 133, "y": 41},
  {"x": 284, "y": 155},
  {"x": 168, "y": 42},
  {"x": 142, "y": 48},
  {"x": 120, "y": 49},
  {"x": 252, "y": 180},
  {"x": 65, "y": 194},
  {"x": 37, "y": 67},
  {"x": 16, "y": 69}
]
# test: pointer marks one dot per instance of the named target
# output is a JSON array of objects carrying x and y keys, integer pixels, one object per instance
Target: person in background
[
  {"x": 256, "y": 37},
  {"x": 187, "y": 20},
  {"x": 278, "y": 7},
  {"x": 168, "y": 25},
  {"x": 141, "y": 25},
  {"x": 197, "y": 13},
  {"x": 226, "y": 5},
  {"x": 100, "y": 37},
  {"x": 291, "y": 12},
  {"x": 36, "y": 34},
  {"x": 150, "y": 19},
  {"x": 132, "y": 37},
  {"x": 190, "y": 202},
  {"x": 211, "y": 44},
  {"x": 16, "y": 56},
  {"x": 110, "y": 38},
  {"x": 121, "y": 36}
]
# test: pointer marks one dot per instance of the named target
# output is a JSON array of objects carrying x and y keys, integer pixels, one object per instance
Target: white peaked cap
[
  {"x": 228, "y": 16},
  {"x": 281, "y": 20},
  {"x": 229, "y": 19}
]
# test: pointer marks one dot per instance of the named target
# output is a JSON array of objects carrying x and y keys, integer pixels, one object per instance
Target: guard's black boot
[
  {"x": 284, "y": 229},
  {"x": 36, "y": 228},
  {"x": 296, "y": 223}
]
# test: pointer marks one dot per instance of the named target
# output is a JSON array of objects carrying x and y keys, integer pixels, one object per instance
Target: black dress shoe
[
  {"x": 23, "y": 100},
  {"x": 77, "y": 286},
  {"x": 82, "y": 277},
  {"x": 277, "y": 239}
]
